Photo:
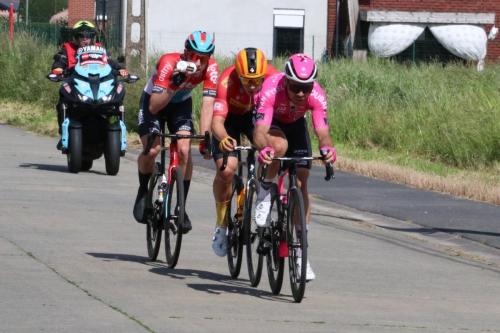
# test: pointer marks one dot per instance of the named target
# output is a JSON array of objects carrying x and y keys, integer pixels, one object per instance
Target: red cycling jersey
[
  {"x": 232, "y": 97},
  {"x": 162, "y": 79}
]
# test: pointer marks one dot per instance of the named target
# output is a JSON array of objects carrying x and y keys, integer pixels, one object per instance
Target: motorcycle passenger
[
  {"x": 237, "y": 92},
  {"x": 84, "y": 34},
  {"x": 168, "y": 95},
  {"x": 281, "y": 129}
]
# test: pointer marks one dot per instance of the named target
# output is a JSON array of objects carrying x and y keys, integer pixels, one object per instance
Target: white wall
[{"x": 236, "y": 24}]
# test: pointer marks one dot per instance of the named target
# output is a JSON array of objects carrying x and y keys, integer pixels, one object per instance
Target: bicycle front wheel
[
  {"x": 297, "y": 243},
  {"x": 251, "y": 236},
  {"x": 273, "y": 234},
  {"x": 154, "y": 217},
  {"x": 235, "y": 232},
  {"x": 174, "y": 217}
]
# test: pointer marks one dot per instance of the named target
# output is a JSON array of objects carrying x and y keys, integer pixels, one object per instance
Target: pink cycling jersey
[{"x": 275, "y": 104}]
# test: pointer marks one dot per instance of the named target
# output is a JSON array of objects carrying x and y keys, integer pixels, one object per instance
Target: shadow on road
[
  {"x": 55, "y": 168},
  {"x": 224, "y": 284},
  {"x": 45, "y": 167},
  {"x": 119, "y": 257}
]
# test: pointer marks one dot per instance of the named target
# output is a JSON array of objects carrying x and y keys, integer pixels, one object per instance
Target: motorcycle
[{"x": 92, "y": 106}]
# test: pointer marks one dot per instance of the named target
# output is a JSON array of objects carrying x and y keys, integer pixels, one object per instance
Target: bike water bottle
[{"x": 161, "y": 189}]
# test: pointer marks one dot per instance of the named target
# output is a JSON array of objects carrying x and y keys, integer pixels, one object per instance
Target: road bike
[
  {"x": 165, "y": 206},
  {"x": 286, "y": 235},
  {"x": 236, "y": 208}
]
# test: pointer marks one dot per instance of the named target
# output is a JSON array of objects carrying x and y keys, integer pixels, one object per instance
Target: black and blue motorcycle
[{"x": 92, "y": 105}]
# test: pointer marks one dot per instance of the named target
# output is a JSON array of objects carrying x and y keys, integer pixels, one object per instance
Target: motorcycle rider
[{"x": 84, "y": 34}]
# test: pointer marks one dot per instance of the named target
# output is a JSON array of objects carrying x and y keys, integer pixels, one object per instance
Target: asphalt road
[
  {"x": 431, "y": 211},
  {"x": 74, "y": 260}
]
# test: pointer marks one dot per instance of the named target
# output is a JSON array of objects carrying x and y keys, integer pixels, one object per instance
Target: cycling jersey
[
  {"x": 275, "y": 104},
  {"x": 232, "y": 97},
  {"x": 163, "y": 79}
]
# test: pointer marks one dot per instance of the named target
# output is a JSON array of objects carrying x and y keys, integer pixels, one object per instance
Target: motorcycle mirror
[
  {"x": 132, "y": 78},
  {"x": 54, "y": 77}
]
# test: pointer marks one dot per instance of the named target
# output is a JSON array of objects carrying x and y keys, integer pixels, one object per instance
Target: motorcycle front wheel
[{"x": 112, "y": 150}]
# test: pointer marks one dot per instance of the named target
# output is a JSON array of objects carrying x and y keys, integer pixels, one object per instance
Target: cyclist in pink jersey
[
  {"x": 281, "y": 128},
  {"x": 167, "y": 96}
]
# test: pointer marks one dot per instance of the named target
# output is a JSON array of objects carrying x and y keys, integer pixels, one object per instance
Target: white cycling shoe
[
  {"x": 309, "y": 272},
  {"x": 219, "y": 241}
]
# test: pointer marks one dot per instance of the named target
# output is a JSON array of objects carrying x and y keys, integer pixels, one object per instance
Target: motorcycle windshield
[
  {"x": 92, "y": 60},
  {"x": 93, "y": 65}
]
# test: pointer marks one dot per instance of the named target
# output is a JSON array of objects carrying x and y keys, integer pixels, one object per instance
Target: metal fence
[{"x": 56, "y": 34}]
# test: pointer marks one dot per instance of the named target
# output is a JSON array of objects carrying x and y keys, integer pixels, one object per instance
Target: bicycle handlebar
[
  {"x": 152, "y": 137},
  {"x": 225, "y": 155},
  {"x": 330, "y": 173}
]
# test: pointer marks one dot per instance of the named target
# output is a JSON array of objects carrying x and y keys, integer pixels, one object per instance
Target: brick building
[
  {"x": 357, "y": 15},
  {"x": 107, "y": 14},
  {"x": 80, "y": 10}
]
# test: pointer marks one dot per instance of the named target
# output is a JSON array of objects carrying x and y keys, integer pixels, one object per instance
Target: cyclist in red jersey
[
  {"x": 237, "y": 92},
  {"x": 168, "y": 95},
  {"x": 281, "y": 129}
]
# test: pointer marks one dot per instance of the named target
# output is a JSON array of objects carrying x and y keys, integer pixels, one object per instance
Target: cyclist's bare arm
[
  {"x": 218, "y": 128},
  {"x": 160, "y": 99},
  {"x": 207, "y": 109},
  {"x": 260, "y": 136},
  {"x": 324, "y": 137}
]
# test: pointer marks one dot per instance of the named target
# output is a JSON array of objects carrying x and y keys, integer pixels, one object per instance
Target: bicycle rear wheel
[
  {"x": 235, "y": 232},
  {"x": 174, "y": 213},
  {"x": 275, "y": 263},
  {"x": 297, "y": 243},
  {"x": 154, "y": 217},
  {"x": 252, "y": 238}
]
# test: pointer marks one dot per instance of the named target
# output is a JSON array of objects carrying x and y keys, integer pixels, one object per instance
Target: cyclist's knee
[
  {"x": 225, "y": 176},
  {"x": 184, "y": 151}
]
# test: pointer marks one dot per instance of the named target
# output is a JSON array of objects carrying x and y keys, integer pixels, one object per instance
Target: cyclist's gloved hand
[
  {"x": 329, "y": 154},
  {"x": 227, "y": 144},
  {"x": 202, "y": 147},
  {"x": 57, "y": 71},
  {"x": 123, "y": 72},
  {"x": 266, "y": 155}
]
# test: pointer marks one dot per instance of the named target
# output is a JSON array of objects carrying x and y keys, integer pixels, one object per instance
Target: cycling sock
[
  {"x": 143, "y": 180},
  {"x": 221, "y": 208},
  {"x": 187, "y": 183}
]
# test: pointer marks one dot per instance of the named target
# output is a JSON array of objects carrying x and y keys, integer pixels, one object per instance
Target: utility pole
[
  {"x": 27, "y": 10},
  {"x": 135, "y": 42}
]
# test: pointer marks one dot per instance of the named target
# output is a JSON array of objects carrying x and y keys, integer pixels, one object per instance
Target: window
[{"x": 288, "y": 31}]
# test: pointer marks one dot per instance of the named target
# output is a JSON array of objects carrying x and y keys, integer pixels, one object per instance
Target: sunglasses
[
  {"x": 82, "y": 35},
  {"x": 193, "y": 56},
  {"x": 296, "y": 88},
  {"x": 256, "y": 82}
]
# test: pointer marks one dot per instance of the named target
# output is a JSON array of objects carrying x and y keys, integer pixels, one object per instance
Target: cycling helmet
[
  {"x": 200, "y": 42},
  {"x": 301, "y": 68},
  {"x": 84, "y": 28},
  {"x": 251, "y": 63}
]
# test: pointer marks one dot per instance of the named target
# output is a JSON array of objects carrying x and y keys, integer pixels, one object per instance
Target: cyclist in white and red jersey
[
  {"x": 281, "y": 128},
  {"x": 168, "y": 96}
]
